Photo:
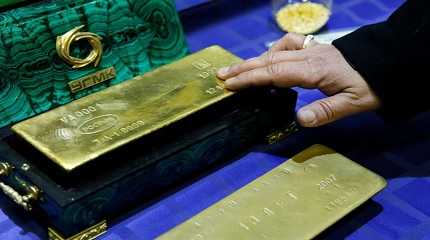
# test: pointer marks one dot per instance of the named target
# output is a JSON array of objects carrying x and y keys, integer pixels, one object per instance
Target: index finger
[
  {"x": 258, "y": 62},
  {"x": 284, "y": 74},
  {"x": 291, "y": 41}
]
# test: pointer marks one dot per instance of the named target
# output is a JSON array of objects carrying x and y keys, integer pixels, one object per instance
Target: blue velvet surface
[
  {"x": 400, "y": 152},
  {"x": 187, "y": 4}
]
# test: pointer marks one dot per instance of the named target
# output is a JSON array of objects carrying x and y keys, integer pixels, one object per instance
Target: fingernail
[
  {"x": 229, "y": 82},
  {"x": 223, "y": 71},
  {"x": 307, "y": 116}
]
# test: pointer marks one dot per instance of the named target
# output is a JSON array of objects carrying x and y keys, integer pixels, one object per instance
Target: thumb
[{"x": 326, "y": 110}]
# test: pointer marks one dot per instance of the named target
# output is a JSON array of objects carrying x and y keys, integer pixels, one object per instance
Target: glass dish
[{"x": 301, "y": 16}]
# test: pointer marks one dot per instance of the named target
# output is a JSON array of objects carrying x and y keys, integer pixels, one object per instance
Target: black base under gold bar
[{"x": 296, "y": 200}]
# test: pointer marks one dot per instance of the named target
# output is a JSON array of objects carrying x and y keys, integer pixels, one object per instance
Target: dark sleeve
[{"x": 394, "y": 58}]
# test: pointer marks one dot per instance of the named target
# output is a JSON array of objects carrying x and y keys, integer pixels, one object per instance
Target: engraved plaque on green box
[{"x": 136, "y": 36}]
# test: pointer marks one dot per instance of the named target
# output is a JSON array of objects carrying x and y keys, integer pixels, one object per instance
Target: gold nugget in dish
[{"x": 301, "y": 16}]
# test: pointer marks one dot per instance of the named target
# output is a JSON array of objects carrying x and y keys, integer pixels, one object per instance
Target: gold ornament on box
[{"x": 65, "y": 41}]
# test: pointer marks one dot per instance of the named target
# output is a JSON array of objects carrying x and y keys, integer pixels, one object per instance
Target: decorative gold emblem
[
  {"x": 88, "y": 234},
  {"x": 32, "y": 195},
  {"x": 281, "y": 134},
  {"x": 65, "y": 41}
]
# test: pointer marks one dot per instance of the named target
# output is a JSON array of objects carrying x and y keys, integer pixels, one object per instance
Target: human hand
[{"x": 319, "y": 66}]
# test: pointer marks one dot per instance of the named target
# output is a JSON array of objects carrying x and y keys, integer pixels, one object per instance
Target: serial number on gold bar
[{"x": 85, "y": 129}]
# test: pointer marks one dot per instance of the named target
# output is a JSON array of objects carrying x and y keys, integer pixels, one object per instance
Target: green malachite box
[
  {"x": 137, "y": 36},
  {"x": 5, "y": 3},
  {"x": 130, "y": 151}
]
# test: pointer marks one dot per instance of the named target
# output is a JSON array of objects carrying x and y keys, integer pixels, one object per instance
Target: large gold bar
[
  {"x": 296, "y": 200},
  {"x": 85, "y": 129}
]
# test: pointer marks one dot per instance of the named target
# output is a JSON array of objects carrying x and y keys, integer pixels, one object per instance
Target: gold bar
[
  {"x": 296, "y": 200},
  {"x": 85, "y": 129}
]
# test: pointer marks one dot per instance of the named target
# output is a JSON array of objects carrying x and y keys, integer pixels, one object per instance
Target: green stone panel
[
  {"x": 138, "y": 36},
  {"x": 4, "y": 3}
]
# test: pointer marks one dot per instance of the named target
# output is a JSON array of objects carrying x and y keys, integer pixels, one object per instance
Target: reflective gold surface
[
  {"x": 296, "y": 200},
  {"x": 83, "y": 130},
  {"x": 65, "y": 41}
]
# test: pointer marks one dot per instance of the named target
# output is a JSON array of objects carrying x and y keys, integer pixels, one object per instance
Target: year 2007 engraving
[{"x": 326, "y": 182}]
